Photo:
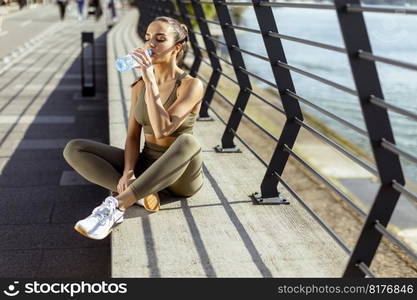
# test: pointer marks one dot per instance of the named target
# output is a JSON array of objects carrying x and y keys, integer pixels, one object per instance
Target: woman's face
[{"x": 160, "y": 38}]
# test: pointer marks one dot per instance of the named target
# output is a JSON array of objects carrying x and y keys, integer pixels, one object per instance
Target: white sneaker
[{"x": 101, "y": 221}]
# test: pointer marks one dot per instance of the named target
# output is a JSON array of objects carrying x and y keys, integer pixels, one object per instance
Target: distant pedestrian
[
  {"x": 80, "y": 9},
  {"x": 21, "y": 3},
  {"x": 99, "y": 10},
  {"x": 62, "y": 7},
  {"x": 111, "y": 5},
  {"x": 3, "y": 12}
]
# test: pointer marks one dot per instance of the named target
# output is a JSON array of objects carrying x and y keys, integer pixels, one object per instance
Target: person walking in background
[
  {"x": 62, "y": 7},
  {"x": 80, "y": 9},
  {"x": 22, "y": 3},
  {"x": 97, "y": 10},
  {"x": 112, "y": 7},
  {"x": 3, "y": 12}
]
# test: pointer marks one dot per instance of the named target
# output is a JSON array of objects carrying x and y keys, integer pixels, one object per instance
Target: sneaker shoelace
[{"x": 103, "y": 211}]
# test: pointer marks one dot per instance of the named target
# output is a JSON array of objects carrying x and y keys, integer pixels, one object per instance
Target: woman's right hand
[{"x": 124, "y": 181}]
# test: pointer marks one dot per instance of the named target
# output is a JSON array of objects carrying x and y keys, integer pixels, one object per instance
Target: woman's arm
[
  {"x": 164, "y": 122},
  {"x": 134, "y": 129}
]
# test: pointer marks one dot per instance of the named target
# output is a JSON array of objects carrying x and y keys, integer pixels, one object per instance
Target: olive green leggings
[{"x": 177, "y": 168}]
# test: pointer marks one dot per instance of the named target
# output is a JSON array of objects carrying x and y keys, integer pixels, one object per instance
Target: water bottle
[{"x": 127, "y": 62}]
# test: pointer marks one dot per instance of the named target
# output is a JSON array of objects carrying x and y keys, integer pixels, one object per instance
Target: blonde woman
[{"x": 165, "y": 101}]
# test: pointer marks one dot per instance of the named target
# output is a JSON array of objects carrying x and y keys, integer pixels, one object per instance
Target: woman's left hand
[{"x": 145, "y": 63}]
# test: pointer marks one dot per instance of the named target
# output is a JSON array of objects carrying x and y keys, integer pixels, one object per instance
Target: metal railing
[{"x": 386, "y": 153}]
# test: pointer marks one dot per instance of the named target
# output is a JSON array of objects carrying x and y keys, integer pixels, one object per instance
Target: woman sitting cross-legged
[{"x": 165, "y": 101}]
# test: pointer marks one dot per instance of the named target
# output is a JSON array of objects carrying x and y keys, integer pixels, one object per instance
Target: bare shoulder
[{"x": 190, "y": 82}]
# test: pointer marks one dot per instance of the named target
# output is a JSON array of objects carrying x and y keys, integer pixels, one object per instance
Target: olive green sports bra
[{"x": 142, "y": 117}]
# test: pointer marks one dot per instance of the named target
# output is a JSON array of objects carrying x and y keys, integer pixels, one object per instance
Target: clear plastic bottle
[{"x": 127, "y": 62}]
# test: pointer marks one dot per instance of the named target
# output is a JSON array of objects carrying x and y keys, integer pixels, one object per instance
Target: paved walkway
[{"x": 41, "y": 196}]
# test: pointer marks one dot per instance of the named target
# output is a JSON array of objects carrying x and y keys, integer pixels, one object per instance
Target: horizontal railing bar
[
  {"x": 171, "y": 12},
  {"x": 318, "y": 78},
  {"x": 304, "y": 41},
  {"x": 257, "y": 77},
  {"x": 265, "y": 101},
  {"x": 204, "y": 61},
  {"x": 191, "y": 16},
  {"x": 234, "y": 47},
  {"x": 238, "y": 49},
  {"x": 168, "y": 11},
  {"x": 218, "y": 116},
  {"x": 313, "y": 214},
  {"x": 248, "y": 147},
  {"x": 218, "y": 70},
  {"x": 297, "y": 5},
  {"x": 335, "y": 145},
  {"x": 223, "y": 96},
  {"x": 327, "y": 113},
  {"x": 227, "y": 76},
  {"x": 257, "y": 125},
  {"x": 215, "y": 55},
  {"x": 209, "y": 37},
  {"x": 381, "y": 103},
  {"x": 216, "y": 40},
  {"x": 243, "y": 28},
  {"x": 237, "y": 3},
  {"x": 213, "y": 22},
  {"x": 381, "y": 228},
  {"x": 222, "y": 59},
  {"x": 372, "y": 57},
  {"x": 276, "y": 4},
  {"x": 212, "y": 53},
  {"x": 364, "y": 268},
  {"x": 202, "y": 78},
  {"x": 402, "y": 189},
  {"x": 331, "y": 185},
  {"x": 360, "y": 8},
  {"x": 393, "y": 148}
]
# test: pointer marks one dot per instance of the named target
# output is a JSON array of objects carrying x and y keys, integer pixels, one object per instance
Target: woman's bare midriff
[{"x": 165, "y": 141}]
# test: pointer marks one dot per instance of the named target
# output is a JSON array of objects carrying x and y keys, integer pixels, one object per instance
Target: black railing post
[
  {"x": 284, "y": 82},
  {"x": 162, "y": 6},
  {"x": 149, "y": 10},
  {"x": 242, "y": 78},
  {"x": 88, "y": 89},
  {"x": 215, "y": 63},
  {"x": 145, "y": 17},
  {"x": 377, "y": 122},
  {"x": 193, "y": 40}
]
